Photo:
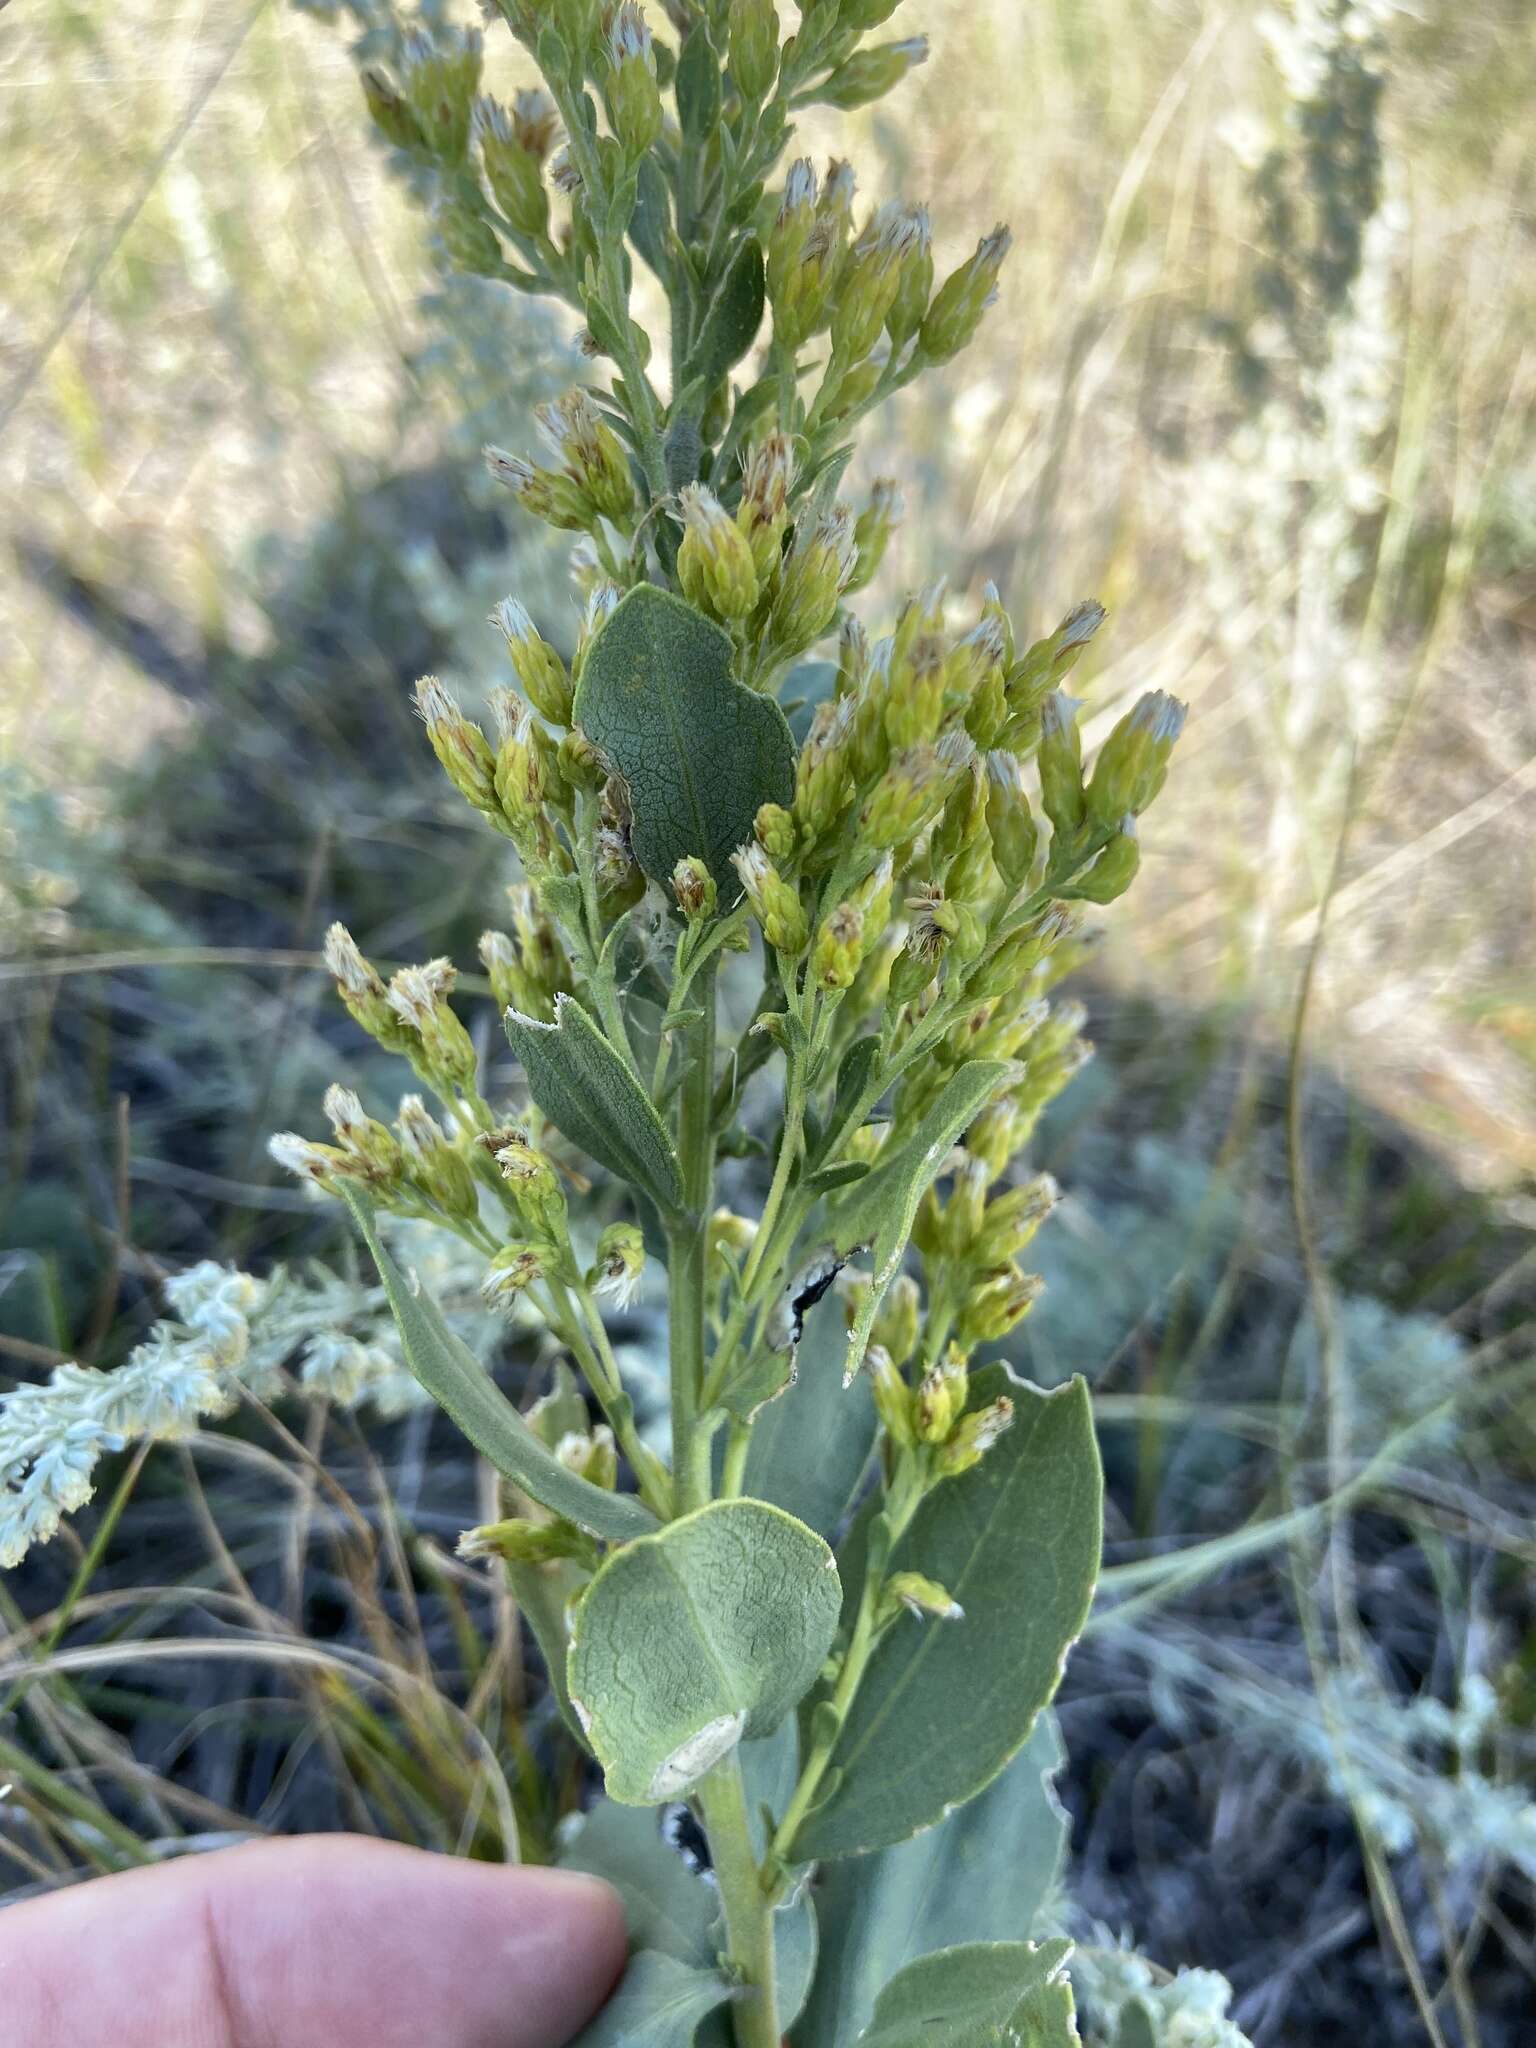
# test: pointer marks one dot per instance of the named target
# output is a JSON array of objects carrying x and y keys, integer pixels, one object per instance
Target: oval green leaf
[
  {"x": 943, "y": 1708},
  {"x": 699, "y": 752},
  {"x": 685, "y": 1642},
  {"x": 982, "y": 1993},
  {"x": 588, "y": 1091}
]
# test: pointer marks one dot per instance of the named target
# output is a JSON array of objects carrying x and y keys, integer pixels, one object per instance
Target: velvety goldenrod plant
[{"x": 761, "y": 891}]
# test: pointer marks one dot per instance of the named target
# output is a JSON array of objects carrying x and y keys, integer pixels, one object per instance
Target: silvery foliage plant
[{"x": 779, "y": 905}]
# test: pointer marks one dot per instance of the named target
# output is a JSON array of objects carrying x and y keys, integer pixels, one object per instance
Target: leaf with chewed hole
[
  {"x": 686, "y": 1641},
  {"x": 942, "y": 1707},
  {"x": 699, "y": 751}
]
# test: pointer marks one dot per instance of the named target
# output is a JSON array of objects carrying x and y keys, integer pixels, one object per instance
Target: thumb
[{"x": 329, "y": 1941}]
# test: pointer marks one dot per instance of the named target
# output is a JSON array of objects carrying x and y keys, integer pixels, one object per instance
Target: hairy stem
[
  {"x": 748, "y": 1908},
  {"x": 688, "y": 1244}
]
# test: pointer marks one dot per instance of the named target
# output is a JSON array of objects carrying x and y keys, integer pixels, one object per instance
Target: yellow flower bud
[
  {"x": 1114, "y": 870},
  {"x": 1060, "y": 761},
  {"x": 1133, "y": 761},
  {"x": 869, "y": 280},
  {"x": 539, "y": 668},
  {"x": 361, "y": 988},
  {"x": 775, "y": 901},
  {"x": 543, "y": 492},
  {"x": 870, "y": 74},
  {"x": 436, "y": 1165},
  {"x": 631, "y": 93},
  {"x": 615, "y": 1273},
  {"x": 821, "y": 558},
  {"x": 962, "y": 299},
  {"x": 873, "y": 528},
  {"x": 941, "y": 1398},
  {"x": 893, "y": 1397},
  {"x": 793, "y": 224},
  {"x": 522, "y": 1542},
  {"x": 1010, "y": 821},
  {"x": 1011, "y": 1221},
  {"x": 460, "y": 746},
  {"x": 593, "y": 454},
  {"x": 924, "y": 1598},
  {"x": 898, "y": 1318},
  {"x": 515, "y": 1268},
  {"x": 441, "y": 72},
  {"x": 801, "y": 301},
  {"x": 774, "y": 830},
  {"x": 997, "y": 1306},
  {"x": 973, "y": 1437},
  {"x": 694, "y": 887},
  {"x": 512, "y": 171},
  {"x": 419, "y": 998},
  {"x": 822, "y": 780},
  {"x": 838, "y": 950},
  {"x": 753, "y": 47},
  {"x": 535, "y": 1187},
  {"x": 714, "y": 560}
]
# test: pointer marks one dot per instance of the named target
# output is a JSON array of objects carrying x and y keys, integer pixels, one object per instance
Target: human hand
[{"x": 328, "y": 1941}]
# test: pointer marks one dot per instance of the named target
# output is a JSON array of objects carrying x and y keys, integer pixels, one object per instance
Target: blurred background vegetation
[{"x": 1261, "y": 379}]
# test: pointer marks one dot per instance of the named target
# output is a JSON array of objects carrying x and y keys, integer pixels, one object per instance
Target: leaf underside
[
  {"x": 588, "y": 1092},
  {"x": 710, "y": 1630}
]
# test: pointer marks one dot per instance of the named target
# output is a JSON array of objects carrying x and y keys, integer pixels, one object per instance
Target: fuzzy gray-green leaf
[
  {"x": 1013, "y": 1994},
  {"x": 460, "y": 1384},
  {"x": 709, "y": 1630},
  {"x": 734, "y": 316},
  {"x": 943, "y": 1707},
  {"x": 590, "y": 1093},
  {"x": 880, "y": 1209},
  {"x": 700, "y": 753}
]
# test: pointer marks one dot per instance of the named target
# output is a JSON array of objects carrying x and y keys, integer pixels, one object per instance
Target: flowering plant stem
[
  {"x": 688, "y": 1252},
  {"x": 746, "y": 1902},
  {"x": 908, "y": 863}
]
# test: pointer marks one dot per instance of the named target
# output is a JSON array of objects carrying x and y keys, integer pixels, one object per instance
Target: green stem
[
  {"x": 748, "y": 1908},
  {"x": 596, "y": 1359},
  {"x": 688, "y": 1242},
  {"x": 901, "y": 1504},
  {"x": 733, "y": 1473}
]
